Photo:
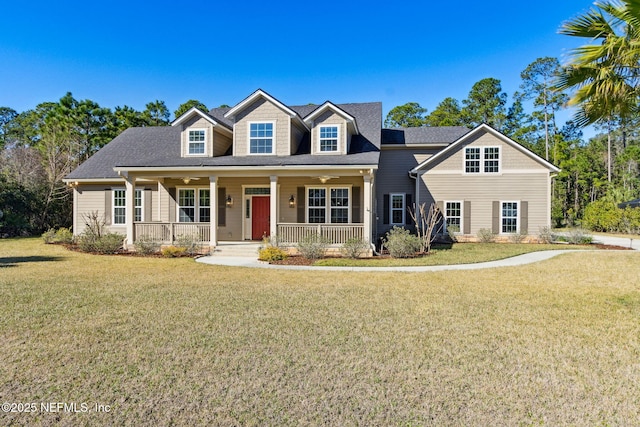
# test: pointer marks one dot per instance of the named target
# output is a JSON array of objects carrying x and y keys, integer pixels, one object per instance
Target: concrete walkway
[{"x": 251, "y": 261}]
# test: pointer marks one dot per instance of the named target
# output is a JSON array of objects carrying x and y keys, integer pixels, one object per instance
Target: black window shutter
[
  {"x": 408, "y": 205},
  {"x": 355, "y": 205},
  {"x": 300, "y": 203},
  {"x": 222, "y": 206},
  {"x": 385, "y": 207}
]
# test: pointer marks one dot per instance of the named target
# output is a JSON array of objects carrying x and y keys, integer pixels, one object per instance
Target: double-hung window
[
  {"x": 194, "y": 205},
  {"x": 196, "y": 143},
  {"x": 120, "y": 205},
  {"x": 396, "y": 208},
  {"x": 482, "y": 160},
  {"x": 333, "y": 209},
  {"x": 328, "y": 138},
  {"x": 453, "y": 216},
  {"x": 509, "y": 217},
  {"x": 261, "y": 138}
]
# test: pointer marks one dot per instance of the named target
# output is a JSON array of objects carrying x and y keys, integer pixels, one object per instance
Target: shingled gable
[
  {"x": 330, "y": 106},
  {"x": 248, "y": 101},
  {"x": 483, "y": 128},
  {"x": 193, "y": 111}
]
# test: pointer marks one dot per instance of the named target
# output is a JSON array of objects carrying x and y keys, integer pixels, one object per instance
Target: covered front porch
[
  {"x": 288, "y": 234},
  {"x": 286, "y": 206}
]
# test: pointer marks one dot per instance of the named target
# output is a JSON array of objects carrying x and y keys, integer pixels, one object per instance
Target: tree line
[
  {"x": 602, "y": 83},
  {"x": 39, "y": 147}
]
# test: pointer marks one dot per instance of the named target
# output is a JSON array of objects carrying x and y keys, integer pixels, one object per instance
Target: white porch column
[
  {"x": 417, "y": 197},
  {"x": 273, "y": 208},
  {"x": 213, "y": 202},
  {"x": 367, "y": 208},
  {"x": 130, "y": 187}
]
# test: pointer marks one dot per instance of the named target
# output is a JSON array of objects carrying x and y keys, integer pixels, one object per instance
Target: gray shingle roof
[
  {"x": 423, "y": 135},
  {"x": 160, "y": 147}
]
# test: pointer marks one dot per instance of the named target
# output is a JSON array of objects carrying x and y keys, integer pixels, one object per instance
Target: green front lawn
[
  {"x": 174, "y": 342},
  {"x": 458, "y": 253}
]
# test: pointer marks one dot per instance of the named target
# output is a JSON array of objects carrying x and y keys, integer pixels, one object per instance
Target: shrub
[
  {"x": 313, "y": 246},
  {"x": 578, "y": 236},
  {"x": 49, "y": 236},
  {"x": 486, "y": 236},
  {"x": 354, "y": 248},
  {"x": 545, "y": 235},
  {"x": 401, "y": 243},
  {"x": 602, "y": 215},
  {"x": 147, "y": 246},
  {"x": 64, "y": 235},
  {"x": 271, "y": 253},
  {"x": 173, "y": 251},
  {"x": 191, "y": 244},
  {"x": 109, "y": 243},
  {"x": 518, "y": 237}
]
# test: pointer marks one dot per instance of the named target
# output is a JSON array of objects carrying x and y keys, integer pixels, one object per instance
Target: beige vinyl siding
[
  {"x": 393, "y": 177},
  {"x": 197, "y": 122},
  {"x": 262, "y": 111},
  {"x": 289, "y": 186},
  {"x": 221, "y": 142},
  {"x": 510, "y": 157},
  {"x": 481, "y": 191},
  {"x": 325, "y": 119},
  {"x": 93, "y": 198}
]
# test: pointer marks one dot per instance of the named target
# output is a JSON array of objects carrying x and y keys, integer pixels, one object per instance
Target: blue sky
[{"x": 130, "y": 53}]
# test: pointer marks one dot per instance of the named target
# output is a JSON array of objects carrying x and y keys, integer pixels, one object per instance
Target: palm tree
[{"x": 605, "y": 76}]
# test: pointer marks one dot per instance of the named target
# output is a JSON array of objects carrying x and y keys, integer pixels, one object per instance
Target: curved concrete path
[
  {"x": 252, "y": 262},
  {"x": 235, "y": 261}
]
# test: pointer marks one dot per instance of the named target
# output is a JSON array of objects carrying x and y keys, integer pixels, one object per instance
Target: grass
[
  {"x": 458, "y": 253},
  {"x": 173, "y": 342}
]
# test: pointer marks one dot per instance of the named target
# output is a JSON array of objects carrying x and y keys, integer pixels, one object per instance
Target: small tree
[{"x": 428, "y": 224}]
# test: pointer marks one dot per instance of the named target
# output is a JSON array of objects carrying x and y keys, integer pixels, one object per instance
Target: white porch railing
[
  {"x": 337, "y": 234},
  {"x": 171, "y": 231}
]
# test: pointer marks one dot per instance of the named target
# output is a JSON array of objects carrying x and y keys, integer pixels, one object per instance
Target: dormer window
[
  {"x": 261, "y": 138},
  {"x": 197, "y": 140},
  {"x": 328, "y": 139}
]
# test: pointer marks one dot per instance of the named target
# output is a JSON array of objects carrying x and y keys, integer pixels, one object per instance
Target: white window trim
[
  {"x": 327, "y": 206},
  {"x": 517, "y": 202},
  {"x": 319, "y": 143},
  {"x": 141, "y": 204},
  {"x": 444, "y": 214},
  {"x": 482, "y": 160},
  {"x": 114, "y": 207},
  {"x": 196, "y": 206},
  {"x": 391, "y": 208},
  {"x": 206, "y": 142},
  {"x": 273, "y": 137}
]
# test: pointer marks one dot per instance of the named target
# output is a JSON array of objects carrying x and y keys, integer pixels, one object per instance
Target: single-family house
[{"x": 264, "y": 168}]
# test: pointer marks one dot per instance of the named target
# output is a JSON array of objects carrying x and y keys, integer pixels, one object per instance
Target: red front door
[{"x": 259, "y": 217}]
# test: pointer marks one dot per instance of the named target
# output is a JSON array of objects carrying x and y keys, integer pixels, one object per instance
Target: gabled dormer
[
  {"x": 331, "y": 129},
  {"x": 265, "y": 126},
  {"x": 201, "y": 135}
]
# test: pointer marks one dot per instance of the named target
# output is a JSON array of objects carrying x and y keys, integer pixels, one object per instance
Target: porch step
[{"x": 237, "y": 249}]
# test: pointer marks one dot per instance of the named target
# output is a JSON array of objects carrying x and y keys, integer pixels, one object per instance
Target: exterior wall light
[
  {"x": 229, "y": 201},
  {"x": 292, "y": 201}
]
